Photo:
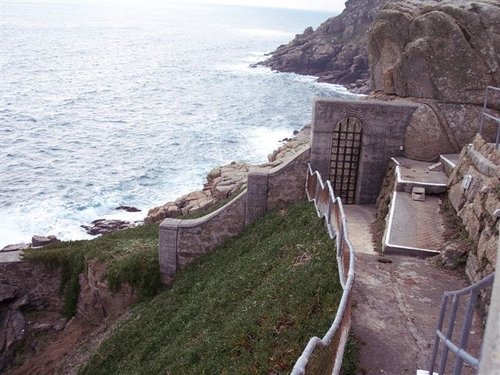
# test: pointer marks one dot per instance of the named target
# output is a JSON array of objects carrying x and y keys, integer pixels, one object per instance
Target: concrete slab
[
  {"x": 359, "y": 219},
  {"x": 413, "y": 173},
  {"x": 396, "y": 307},
  {"x": 414, "y": 227}
]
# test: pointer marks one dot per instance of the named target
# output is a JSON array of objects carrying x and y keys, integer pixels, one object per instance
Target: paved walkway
[{"x": 396, "y": 304}]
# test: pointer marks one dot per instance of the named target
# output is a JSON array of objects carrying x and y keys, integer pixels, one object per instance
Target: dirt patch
[{"x": 67, "y": 350}]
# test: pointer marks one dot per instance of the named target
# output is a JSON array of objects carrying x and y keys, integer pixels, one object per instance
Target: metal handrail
[
  {"x": 325, "y": 355},
  {"x": 460, "y": 349},
  {"x": 487, "y": 115}
]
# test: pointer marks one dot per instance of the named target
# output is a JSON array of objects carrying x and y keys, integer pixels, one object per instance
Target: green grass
[
  {"x": 249, "y": 307},
  {"x": 131, "y": 256}
]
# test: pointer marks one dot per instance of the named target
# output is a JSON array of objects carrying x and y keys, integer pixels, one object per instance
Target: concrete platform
[
  {"x": 413, "y": 173},
  {"x": 414, "y": 227}
]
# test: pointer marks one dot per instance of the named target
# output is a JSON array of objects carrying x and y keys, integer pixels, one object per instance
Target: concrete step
[
  {"x": 414, "y": 227},
  {"x": 413, "y": 173},
  {"x": 449, "y": 162}
]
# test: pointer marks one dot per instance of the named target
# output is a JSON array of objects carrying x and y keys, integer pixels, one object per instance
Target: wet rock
[
  {"x": 128, "y": 209},
  {"x": 105, "y": 226},
  {"x": 16, "y": 247},
  {"x": 38, "y": 241}
]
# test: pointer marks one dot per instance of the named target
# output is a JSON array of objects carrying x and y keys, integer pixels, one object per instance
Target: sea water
[{"x": 105, "y": 104}]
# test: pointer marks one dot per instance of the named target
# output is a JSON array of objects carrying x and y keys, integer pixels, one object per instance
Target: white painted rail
[{"x": 324, "y": 355}]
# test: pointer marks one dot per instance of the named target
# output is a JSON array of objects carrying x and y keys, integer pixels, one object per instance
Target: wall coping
[{"x": 172, "y": 223}]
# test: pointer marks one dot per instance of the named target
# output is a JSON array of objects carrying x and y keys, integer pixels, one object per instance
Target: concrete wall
[
  {"x": 384, "y": 126},
  {"x": 478, "y": 205},
  {"x": 182, "y": 241}
]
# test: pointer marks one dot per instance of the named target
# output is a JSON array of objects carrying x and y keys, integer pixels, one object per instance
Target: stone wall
[
  {"x": 384, "y": 125},
  {"x": 478, "y": 204},
  {"x": 40, "y": 283},
  {"x": 183, "y": 241}
]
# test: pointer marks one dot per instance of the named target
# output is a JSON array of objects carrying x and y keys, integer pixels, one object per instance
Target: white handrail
[{"x": 338, "y": 332}]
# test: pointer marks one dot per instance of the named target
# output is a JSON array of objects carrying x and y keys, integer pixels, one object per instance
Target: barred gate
[
  {"x": 344, "y": 160},
  {"x": 324, "y": 356}
]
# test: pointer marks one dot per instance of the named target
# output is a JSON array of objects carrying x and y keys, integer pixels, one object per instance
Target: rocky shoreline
[
  {"x": 336, "y": 52},
  {"x": 222, "y": 182}
]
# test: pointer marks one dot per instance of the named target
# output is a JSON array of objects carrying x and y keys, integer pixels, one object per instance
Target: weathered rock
[
  {"x": 438, "y": 50},
  {"x": 223, "y": 182},
  {"x": 95, "y": 301},
  {"x": 452, "y": 256},
  {"x": 105, "y": 226},
  {"x": 13, "y": 330},
  {"x": 16, "y": 247},
  {"x": 37, "y": 241},
  {"x": 336, "y": 52},
  {"x": 127, "y": 209}
]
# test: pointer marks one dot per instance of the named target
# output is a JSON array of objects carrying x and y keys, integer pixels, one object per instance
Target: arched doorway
[{"x": 344, "y": 161}]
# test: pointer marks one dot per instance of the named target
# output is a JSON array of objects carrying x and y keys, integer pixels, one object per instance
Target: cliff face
[
  {"x": 441, "y": 55},
  {"x": 448, "y": 51},
  {"x": 336, "y": 52}
]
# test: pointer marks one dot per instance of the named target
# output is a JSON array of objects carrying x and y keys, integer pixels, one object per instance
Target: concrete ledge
[
  {"x": 449, "y": 162},
  {"x": 406, "y": 185}
]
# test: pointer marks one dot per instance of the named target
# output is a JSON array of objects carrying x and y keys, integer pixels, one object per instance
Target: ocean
[{"x": 105, "y": 104}]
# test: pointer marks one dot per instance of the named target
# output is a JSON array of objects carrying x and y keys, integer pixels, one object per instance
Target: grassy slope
[{"x": 248, "y": 308}]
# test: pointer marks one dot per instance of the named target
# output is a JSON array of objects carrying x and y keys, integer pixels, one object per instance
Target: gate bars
[{"x": 324, "y": 356}]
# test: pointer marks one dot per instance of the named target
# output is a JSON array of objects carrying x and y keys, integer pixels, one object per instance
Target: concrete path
[{"x": 396, "y": 304}]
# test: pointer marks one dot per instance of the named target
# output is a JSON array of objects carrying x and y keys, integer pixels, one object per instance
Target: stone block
[
  {"x": 456, "y": 196},
  {"x": 471, "y": 221}
]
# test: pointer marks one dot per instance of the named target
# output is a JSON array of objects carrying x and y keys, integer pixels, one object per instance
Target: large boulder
[{"x": 448, "y": 51}]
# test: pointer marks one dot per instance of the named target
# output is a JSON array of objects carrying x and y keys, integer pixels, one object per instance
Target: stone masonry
[
  {"x": 182, "y": 241},
  {"x": 383, "y": 126},
  {"x": 474, "y": 192}
]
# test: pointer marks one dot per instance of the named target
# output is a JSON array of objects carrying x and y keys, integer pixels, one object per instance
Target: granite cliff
[
  {"x": 336, "y": 52},
  {"x": 441, "y": 55}
]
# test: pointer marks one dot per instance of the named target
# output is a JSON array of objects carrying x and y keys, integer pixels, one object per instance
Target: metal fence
[
  {"x": 487, "y": 115},
  {"x": 451, "y": 300},
  {"x": 324, "y": 356}
]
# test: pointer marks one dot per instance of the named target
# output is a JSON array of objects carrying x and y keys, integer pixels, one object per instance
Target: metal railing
[
  {"x": 460, "y": 348},
  {"x": 324, "y": 356},
  {"x": 485, "y": 114}
]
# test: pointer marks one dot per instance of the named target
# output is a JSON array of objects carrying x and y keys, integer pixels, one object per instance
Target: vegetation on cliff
[
  {"x": 249, "y": 307},
  {"x": 131, "y": 256}
]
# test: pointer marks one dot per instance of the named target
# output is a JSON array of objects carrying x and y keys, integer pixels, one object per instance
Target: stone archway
[{"x": 344, "y": 161}]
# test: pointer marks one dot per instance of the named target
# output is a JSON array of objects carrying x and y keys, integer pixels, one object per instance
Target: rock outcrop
[
  {"x": 222, "y": 183},
  {"x": 448, "y": 51},
  {"x": 440, "y": 55},
  {"x": 336, "y": 52}
]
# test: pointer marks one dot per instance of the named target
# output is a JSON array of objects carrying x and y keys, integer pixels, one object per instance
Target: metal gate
[{"x": 346, "y": 150}]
